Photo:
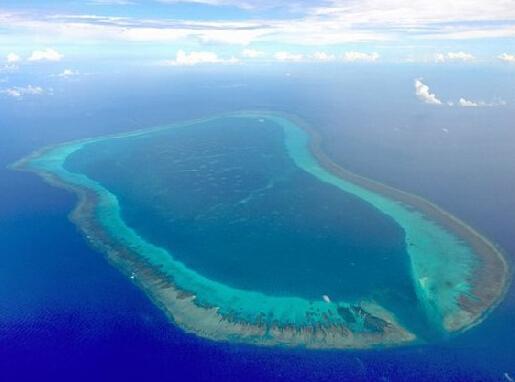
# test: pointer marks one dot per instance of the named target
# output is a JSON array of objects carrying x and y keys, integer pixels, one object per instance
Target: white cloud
[
  {"x": 419, "y": 19},
  {"x": 440, "y": 57},
  {"x": 13, "y": 92},
  {"x": 453, "y": 56},
  {"x": 287, "y": 56},
  {"x": 8, "y": 68},
  {"x": 323, "y": 56},
  {"x": 413, "y": 13},
  {"x": 93, "y": 28},
  {"x": 12, "y": 58},
  {"x": 423, "y": 93},
  {"x": 243, "y": 4},
  {"x": 66, "y": 73},
  {"x": 112, "y": 2},
  {"x": 327, "y": 22},
  {"x": 460, "y": 56},
  {"x": 252, "y": 53},
  {"x": 468, "y": 103},
  {"x": 360, "y": 56},
  {"x": 468, "y": 33},
  {"x": 195, "y": 58},
  {"x": 507, "y": 57},
  {"x": 46, "y": 55},
  {"x": 240, "y": 36},
  {"x": 140, "y": 34},
  {"x": 19, "y": 92}
]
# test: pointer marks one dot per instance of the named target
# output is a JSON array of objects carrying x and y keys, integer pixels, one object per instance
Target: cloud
[
  {"x": 243, "y": 4},
  {"x": 241, "y": 36},
  {"x": 66, "y": 73},
  {"x": 468, "y": 103},
  {"x": 12, "y": 58},
  {"x": 423, "y": 93},
  {"x": 287, "y": 56},
  {"x": 453, "y": 56},
  {"x": 11, "y": 63},
  {"x": 507, "y": 57},
  {"x": 46, "y": 55},
  {"x": 19, "y": 92},
  {"x": 95, "y": 28},
  {"x": 415, "y": 13},
  {"x": 252, "y": 53},
  {"x": 112, "y": 2},
  {"x": 323, "y": 56},
  {"x": 313, "y": 23},
  {"x": 103, "y": 28},
  {"x": 468, "y": 32},
  {"x": 360, "y": 56},
  {"x": 195, "y": 58}
]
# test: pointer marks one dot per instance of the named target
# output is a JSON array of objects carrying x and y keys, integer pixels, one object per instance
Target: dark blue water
[{"x": 66, "y": 314}]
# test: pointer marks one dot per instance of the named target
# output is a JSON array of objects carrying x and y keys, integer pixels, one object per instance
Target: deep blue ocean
[{"x": 66, "y": 314}]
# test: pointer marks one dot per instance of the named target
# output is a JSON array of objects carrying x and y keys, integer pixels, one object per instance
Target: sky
[
  {"x": 189, "y": 33},
  {"x": 323, "y": 30}
]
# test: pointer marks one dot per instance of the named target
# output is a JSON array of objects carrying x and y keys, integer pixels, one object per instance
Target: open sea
[{"x": 66, "y": 314}]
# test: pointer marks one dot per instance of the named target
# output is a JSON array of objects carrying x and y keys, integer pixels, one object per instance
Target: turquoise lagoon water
[
  {"x": 240, "y": 213},
  {"x": 226, "y": 199}
]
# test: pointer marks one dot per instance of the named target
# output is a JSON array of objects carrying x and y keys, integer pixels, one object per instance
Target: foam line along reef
[{"x": 458, "y": 275}]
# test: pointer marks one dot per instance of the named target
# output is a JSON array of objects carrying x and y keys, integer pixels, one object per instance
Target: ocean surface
[{"x": 66, "y": 313}]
